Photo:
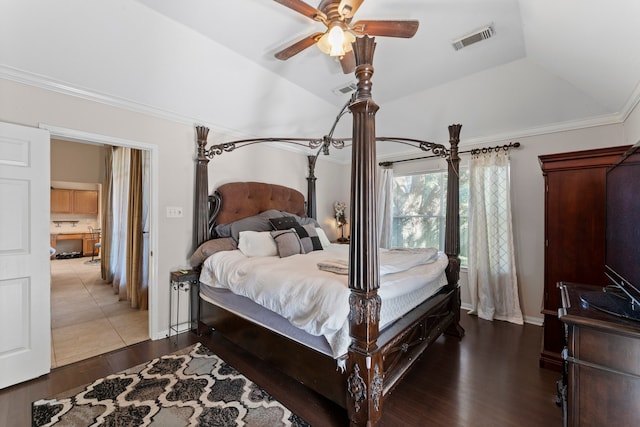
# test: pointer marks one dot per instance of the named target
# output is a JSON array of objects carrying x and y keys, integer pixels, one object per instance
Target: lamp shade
[{"x": 337, "y": 40}]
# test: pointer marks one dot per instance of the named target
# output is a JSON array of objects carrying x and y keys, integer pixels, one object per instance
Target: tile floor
[{"x": 86, "y": 317}]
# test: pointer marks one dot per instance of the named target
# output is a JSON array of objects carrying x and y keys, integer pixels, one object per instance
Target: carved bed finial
[
  {"x": 202, "y": 133},
  {"x": 454, "y": 140},
  {"x": 364, "y": 48}
]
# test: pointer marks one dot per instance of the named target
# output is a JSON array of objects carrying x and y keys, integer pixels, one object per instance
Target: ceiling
[{"x": 551, "y": 65}]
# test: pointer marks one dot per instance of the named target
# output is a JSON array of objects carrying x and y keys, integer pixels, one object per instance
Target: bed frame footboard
[
  {"x": 424, "y": 325},
  {"x": 400, "y": 345}
]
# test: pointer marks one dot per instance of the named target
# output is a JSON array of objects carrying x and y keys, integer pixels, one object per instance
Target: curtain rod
[{"x": 473, "y": 151}]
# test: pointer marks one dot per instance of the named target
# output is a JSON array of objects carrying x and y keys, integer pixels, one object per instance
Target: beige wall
[
  {"x": 527, "y": 197},
  {"x": 76, "y": 162},
  {"x": 31, "y": 106}
]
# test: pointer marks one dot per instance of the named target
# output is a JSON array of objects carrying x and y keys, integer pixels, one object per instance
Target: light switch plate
[{"x": 174, "y": 212}]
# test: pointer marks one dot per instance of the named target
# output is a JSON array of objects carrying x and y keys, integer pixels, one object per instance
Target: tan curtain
[
  {"x": 128, "y": 260},
  {"x": 107, "y": 216},
  {"x": 136, "y": 289}
]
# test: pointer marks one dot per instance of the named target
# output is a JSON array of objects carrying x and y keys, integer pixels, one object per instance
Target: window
[{"x": 419, "y": 209}]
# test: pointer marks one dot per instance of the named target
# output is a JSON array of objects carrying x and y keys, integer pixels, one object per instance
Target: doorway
[{"x": 87, "y": 319}]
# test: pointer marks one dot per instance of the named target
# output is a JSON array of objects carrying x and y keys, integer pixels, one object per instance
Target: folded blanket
[
  {"x": 338, "y": 266},
  {"x": 391, "y": 260}
]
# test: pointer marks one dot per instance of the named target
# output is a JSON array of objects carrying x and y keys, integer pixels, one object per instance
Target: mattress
[{"x": 291, "y": 296}]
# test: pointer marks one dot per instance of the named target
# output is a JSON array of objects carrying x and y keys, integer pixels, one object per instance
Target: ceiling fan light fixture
[{"x": 336, "y": 41}]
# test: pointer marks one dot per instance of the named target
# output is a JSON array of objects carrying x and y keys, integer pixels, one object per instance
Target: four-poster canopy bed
[{"x": 376, "y": 355}]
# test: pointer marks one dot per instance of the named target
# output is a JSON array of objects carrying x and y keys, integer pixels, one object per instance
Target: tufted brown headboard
[{"x": 244, "y": 199}]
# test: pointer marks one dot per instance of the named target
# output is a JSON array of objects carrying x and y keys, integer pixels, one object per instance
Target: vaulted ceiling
[{"x": 551, "y": 65}]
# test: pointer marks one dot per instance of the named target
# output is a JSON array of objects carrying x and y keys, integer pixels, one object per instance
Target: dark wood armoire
[{"x": 574, "y": 228}]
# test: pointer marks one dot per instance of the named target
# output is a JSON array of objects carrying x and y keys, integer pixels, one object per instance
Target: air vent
[
  {"x": 474, "y": 37},
  {"x": 348, "y": 88}
]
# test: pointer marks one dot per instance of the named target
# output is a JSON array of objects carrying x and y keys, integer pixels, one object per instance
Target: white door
[{"x": 25, "y": 332}]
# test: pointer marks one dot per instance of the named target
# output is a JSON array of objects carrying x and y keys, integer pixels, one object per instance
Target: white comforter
[{"x": 313, "y": 300}]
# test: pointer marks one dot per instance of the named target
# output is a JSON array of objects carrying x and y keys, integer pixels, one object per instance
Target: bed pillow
[
  {"x": 306, "y": 233},
  {"x": 324, "y": 240},
  {"x": 209, "y": 248},
  {"x": 258, "y": 222},
  {"x": 233, "y": 229},
  {"x": 257, "y": 243},
  {"x": 252, "y": 223},
  {"x": 288, "y": 242}
]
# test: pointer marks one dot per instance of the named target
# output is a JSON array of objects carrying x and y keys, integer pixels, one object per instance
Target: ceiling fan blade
[
  {"x": 404, "y": 29},
  {"x": 303, "y": 8},
  {"x": 348, "y": 62},
  {"x": 348, "y": 8},
  {"x": 298, "y": 47}
]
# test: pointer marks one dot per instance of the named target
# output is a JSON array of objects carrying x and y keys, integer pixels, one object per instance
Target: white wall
[{"x": 31, "y": 106}]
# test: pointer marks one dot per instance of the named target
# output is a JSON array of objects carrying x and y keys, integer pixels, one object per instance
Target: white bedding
[{"x": 313, "y": 300}]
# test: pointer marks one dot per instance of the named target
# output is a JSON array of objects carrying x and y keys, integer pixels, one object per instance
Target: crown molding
[{"x": 47, "y": 83}]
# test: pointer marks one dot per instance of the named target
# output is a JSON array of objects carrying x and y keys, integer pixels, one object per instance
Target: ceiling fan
[{"x": 336, "y": 41}]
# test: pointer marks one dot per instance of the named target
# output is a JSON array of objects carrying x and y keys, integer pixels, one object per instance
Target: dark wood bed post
[
  {"x": 311, "y": 187},
  {"x": 201, "y": 220},
  {"x": 365, "y": 364},
  {"x": 452, "y": 238}
]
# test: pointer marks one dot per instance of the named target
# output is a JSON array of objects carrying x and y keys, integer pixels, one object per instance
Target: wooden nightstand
[{"x": 187, "y": 282}]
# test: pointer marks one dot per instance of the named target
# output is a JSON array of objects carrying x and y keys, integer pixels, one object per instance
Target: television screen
[{"x": 622, "y": 251}]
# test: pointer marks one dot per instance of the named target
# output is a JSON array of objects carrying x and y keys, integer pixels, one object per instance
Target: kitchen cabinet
[
  {"x": 61, "y": 201},
  {"x": 88, "y": 241},
  {"x": 64, "y": 201},
  {"x": 85, "y": 202},
  {"x": 88, "y": 248}
]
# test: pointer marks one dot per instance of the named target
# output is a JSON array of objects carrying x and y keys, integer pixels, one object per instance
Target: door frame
[{"x": 75, "y": 135}]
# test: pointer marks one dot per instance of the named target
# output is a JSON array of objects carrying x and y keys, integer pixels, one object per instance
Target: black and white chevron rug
[{"x": 192, "y": 387}]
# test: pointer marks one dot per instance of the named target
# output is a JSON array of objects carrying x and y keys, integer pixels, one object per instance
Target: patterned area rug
[{"x": 192, "y": 387}]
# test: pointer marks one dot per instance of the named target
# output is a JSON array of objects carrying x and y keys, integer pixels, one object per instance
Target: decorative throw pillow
[
  {"x": 209, "y": 248},
  {"x": 312, "y": 235},
  {"x": 288, "y": 242},
  {"x": 284, "y": 222},
  {"x": 257, "y": 243},
  {"x": 307, "y": 233},
  {"x": 301, "y": 220}
]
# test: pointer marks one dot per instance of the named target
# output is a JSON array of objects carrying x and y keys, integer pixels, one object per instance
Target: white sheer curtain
[
  {"x": 120, "y": 204},
  {"x": 385, "y": 207},
  {"x": 492, "y": 273}
]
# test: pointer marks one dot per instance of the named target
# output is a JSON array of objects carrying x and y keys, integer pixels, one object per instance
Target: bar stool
[{"x": 95, "y": 238}]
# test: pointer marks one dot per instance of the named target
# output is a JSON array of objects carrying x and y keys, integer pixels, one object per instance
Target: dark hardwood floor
[{"x": 489, "y": 378}]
